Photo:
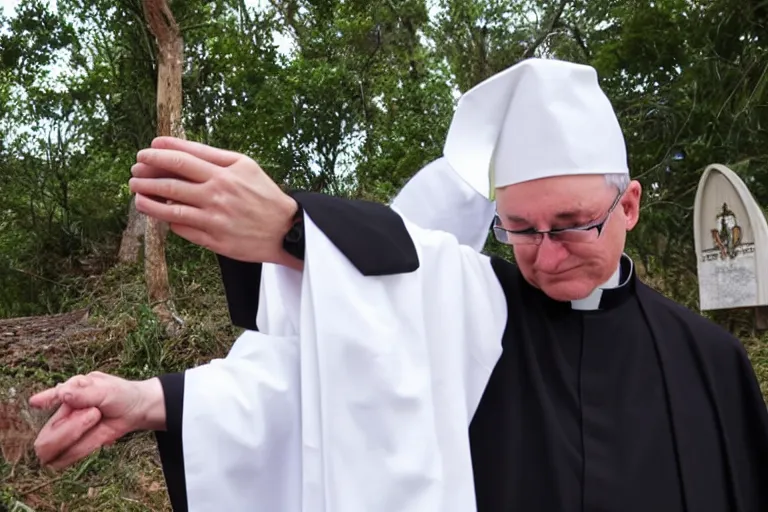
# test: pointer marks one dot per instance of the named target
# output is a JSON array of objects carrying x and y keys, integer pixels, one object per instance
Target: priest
[{"x": 389, "y": 365}]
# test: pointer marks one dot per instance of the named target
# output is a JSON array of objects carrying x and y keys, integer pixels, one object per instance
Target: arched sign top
[{"x": 731, "y": 241}]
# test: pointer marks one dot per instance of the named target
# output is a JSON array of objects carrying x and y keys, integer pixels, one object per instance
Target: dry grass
[
  {"x": 120, "y": 336},
  {"x": 125, "y": 477}
]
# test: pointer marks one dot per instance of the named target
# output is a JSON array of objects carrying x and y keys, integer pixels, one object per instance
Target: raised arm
[
  {"x": 213, "y": 197},
  {"x": 371, "y": 236},
  {"x": 225, "y": 202}
]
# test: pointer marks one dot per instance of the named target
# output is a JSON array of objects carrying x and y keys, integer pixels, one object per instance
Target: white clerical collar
[{"x": 592, "y": 301}]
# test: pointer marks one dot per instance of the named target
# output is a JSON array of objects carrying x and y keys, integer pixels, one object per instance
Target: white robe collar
[{"x": 592, "y": 301}]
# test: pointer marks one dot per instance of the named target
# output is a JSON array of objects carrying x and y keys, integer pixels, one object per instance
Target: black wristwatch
[{"x": 293, "y": 242}]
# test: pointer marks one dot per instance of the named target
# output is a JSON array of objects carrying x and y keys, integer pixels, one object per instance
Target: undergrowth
[{"x": 131, "y": 344}]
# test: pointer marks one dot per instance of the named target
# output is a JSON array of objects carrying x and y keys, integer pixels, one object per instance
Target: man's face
[{"x": 568, "y": 270}]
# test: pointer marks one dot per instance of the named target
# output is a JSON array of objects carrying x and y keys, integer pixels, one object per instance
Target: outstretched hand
[
  {"x": 214, "y": 198},
  {"x": 95, "y": 410}
]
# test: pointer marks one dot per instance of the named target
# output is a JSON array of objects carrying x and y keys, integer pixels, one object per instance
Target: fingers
[
  {"x": 60, "y": 415},
  {"x": 215, "y": 156},
  {"x": 79, "y": 426},
  {"x": 83, "y": 392},
  {"x": 64, "y": 429},
  {"x": 47, "y": 399},
  {"x": 140, "y": 170},
  {"x": 174, "y": 213},
  {"x": 179, "y": 163},
  {"x": 167, "y": 188},
  {"x": 195, "y": 236},
  {"x": 91, "y": 440},
  {"x": 53, "y": 397}
]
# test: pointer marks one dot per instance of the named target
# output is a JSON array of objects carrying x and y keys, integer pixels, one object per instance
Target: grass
[
  {"x": 126, "y": 477},
  {"x": 129, "y": 342},
  {"x": 757, "y": 348}
]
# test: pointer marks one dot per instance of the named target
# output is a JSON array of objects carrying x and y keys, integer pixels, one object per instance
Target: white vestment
[{"x": 358, "y": 392}]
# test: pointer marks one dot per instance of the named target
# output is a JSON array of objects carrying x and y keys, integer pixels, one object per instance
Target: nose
[{"x": 550, "y": 255}]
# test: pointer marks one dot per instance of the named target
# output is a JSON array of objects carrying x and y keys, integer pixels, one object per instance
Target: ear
[{"x": 630, "y": 203}]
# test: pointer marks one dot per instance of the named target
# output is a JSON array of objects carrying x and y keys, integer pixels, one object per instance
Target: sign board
[{"x": 731, "y": 239}]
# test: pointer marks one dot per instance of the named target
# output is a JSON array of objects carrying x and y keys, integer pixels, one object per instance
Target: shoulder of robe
[
  {"x": 711, "y": 339},
  {"x": 509, "y": 276},
  {"x": 372, "y": 236}
]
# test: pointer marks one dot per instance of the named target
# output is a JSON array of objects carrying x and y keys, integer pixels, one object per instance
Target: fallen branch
[
  {"x": 40, "y": 486},
  {"x": 24, "y": 338}
]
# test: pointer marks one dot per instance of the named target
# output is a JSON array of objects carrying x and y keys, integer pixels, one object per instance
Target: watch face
[
  {"x": 293, "y": 243},
  {"x": 294, "y": 234}
]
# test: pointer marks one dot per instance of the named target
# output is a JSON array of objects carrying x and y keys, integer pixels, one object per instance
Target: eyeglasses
[{"x": 576, "y": 235}]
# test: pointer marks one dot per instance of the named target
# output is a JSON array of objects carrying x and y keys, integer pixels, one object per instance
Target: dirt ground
[{"x": 125, "y": 477}]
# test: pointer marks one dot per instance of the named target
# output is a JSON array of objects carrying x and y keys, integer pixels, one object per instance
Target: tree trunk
[
  {"x": 133, "y": 235},
  {"x": 170, "y": 51}
]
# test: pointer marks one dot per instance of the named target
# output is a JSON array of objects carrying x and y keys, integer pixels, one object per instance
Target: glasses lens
[
  {"x": 508, "y": 238},
  {"x": 576, "y": 236},
  {"x": 530, "y": 239},
  {"x": 501, "y": 235}
]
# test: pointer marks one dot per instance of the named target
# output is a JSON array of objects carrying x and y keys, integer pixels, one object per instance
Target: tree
[{"x": 170, "y": 51}]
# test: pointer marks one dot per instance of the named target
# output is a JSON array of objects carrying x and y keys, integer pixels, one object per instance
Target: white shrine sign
[{"x": 731, "y": 239}]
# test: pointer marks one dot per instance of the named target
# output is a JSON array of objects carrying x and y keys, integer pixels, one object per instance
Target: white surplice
[{"x": 357, "y": 393}]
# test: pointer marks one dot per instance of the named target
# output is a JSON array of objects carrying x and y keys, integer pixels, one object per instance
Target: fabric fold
[{"x": 358, "y": 392}]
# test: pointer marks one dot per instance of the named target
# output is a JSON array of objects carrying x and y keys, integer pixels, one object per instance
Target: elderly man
[{"x": 397, "y": 369}]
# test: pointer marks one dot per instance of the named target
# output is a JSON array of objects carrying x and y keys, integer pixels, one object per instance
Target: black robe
[{"x": 641, "y": 405}]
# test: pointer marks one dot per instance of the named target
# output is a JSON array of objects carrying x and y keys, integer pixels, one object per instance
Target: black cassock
[{"x": 641, "y": 405}]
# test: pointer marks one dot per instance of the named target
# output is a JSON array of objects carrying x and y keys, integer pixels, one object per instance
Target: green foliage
[{"x": 349, "y": 98}]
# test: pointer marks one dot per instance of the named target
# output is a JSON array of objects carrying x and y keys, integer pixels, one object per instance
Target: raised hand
[
  {"x": 218, "y": 199},
  {"x": 95, "y": 410}
]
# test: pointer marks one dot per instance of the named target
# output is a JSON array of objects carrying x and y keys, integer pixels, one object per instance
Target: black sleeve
[
  {"x": 242, "y": 281},
  {"x": 371, "y": 235},
  {"x": 169, "y": 443}
]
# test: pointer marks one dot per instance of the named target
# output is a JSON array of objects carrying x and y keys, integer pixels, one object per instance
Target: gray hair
[{"x": 620, "y": 181}]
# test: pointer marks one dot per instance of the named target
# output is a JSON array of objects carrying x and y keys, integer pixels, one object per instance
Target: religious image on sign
[
  {"x": 727, "y": 237},
  {"x": 731, "y": 236}
]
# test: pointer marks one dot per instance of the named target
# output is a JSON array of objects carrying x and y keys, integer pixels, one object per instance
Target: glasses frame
[{"x": 538, "y": 236}]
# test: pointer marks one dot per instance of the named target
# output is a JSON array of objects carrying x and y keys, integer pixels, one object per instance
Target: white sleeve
[
  {"x": 241, "y": 429},
  {"x": 359, "y": 395}
]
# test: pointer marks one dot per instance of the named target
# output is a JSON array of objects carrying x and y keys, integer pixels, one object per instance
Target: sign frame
[{"x": 726, "y": 241}]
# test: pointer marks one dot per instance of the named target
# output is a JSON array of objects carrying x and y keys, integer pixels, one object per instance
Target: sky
[{"x": 8, "y": 6}]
